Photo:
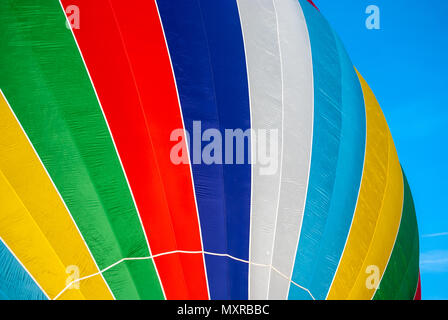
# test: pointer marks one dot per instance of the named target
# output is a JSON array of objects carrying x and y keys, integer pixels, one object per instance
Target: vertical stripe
[
  {"x": 52, "y": 96},
  {"x": 298, "y": 98},
  {"x": 378, "y": 212},
  {"x": 15, "y": 282},
  {"x": 401, "y": 278},
  {"x": 34, "y": 221},
  {"x": 206, "y": 47},
  {"x": 280, "y": 76},
  {"x": 259, "y": 25},
  {"x": 336, "y": 163},
  {"x": 162, "y": 190}
]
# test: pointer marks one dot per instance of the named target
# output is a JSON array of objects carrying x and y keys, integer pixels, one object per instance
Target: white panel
[
  {"x": 298, "y": 97},
  {"x": 279, "y": 67},
  {"x": 258, "y": 21}
]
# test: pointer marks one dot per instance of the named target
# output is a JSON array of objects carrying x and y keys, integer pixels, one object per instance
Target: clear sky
[{"x": 405, "y": 63}]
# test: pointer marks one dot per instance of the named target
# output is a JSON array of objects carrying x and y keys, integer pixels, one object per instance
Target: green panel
[
  {"x": 43, "y": 77},
  {"x": 401, "y": 276},
  {"x": 139, "y": 267}
]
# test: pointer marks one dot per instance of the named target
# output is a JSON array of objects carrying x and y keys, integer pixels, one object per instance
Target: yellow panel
[
  {"x": 378, "y": 211},
  {"x": 34, "y": 222}
]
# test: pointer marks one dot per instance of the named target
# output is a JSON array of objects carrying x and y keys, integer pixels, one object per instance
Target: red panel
[
  {"x": 418, "y": 292},
  {"x": 310, "y": 1},
  {"x": 124, "y": 48}
]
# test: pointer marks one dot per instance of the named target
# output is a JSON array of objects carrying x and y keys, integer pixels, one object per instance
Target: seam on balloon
[
  {"x": 414, "y": 243},
  {"x": 416, "y": 287},
  {"x": 24, "y": 268},
  {"x": 388, "y": 260},
  {"x": 188, "y": 149},
  {"x": 218, "y": 118},
  {"x": 252, "y": 144},
  {"x": 282, "y": 147},
  {"x": 186, "y": 252},
  {"x": 359, "y": 190},
  {"x": 34, "y": 222},
  {"x": 396, "y": 235},
  {"x": 391, "y": 150},
  {"x": 55, "y": 188},
  {"x": 116, "y": 151},
  {"x": 148, "y": 131},
  {"x": 308, "y": 43}
]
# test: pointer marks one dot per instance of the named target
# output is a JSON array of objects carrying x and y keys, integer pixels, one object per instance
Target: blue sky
[{"x": 405, "y": 64}]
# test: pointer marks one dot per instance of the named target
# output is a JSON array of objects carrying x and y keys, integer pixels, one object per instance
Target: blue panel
[
  {"x": 207, "y": 52},
  {"x": 336, "y": 163},
  {"x": 15, "y": 282}
]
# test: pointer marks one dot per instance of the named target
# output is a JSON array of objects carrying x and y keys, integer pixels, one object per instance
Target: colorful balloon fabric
[{"x": 92, "y": 205}]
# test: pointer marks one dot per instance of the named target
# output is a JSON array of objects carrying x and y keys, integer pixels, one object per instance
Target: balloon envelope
[{"x": 222, "y": 149}]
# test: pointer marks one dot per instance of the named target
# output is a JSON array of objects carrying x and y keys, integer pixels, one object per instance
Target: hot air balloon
[{"x": 94, "y": 206}]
